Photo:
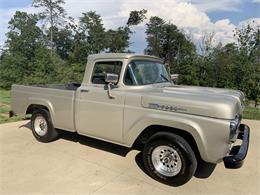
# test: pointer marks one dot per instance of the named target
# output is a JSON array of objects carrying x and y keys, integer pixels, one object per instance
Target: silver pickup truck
[{"x": 129, "y": 99}]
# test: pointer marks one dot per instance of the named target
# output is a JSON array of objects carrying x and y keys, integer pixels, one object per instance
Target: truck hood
[{"x": 202, "y": 101}]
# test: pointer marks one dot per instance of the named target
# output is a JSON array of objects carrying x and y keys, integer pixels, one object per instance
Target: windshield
[{"x": 141, "y": 72}]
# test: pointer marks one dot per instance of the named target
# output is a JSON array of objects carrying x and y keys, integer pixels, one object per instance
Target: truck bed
[{"x": 58, "y": 98}]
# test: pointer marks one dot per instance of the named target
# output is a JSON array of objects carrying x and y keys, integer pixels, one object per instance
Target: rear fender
[{"x": 42, "y": 102}]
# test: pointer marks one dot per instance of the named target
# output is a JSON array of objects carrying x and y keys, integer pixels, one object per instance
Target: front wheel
[
  {"x": 42, "y": 126},
  {"x": 169, "y": 159}
]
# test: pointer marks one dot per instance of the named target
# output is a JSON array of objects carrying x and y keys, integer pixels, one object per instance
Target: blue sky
[
  {"x": 247, "y": 9},
  {"x": 194, "y": 17}
]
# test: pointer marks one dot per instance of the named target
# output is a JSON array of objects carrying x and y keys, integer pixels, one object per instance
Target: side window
[
  {"x": 129, "y": 75},
  {"x": 101, "y": 68},
  {"x": 133, "y": 75}
]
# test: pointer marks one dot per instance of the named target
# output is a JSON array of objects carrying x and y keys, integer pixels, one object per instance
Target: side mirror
[{"x": 111, "y": 78}]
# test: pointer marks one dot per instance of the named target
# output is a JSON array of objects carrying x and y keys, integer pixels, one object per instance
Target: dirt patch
[{"x": 4, "y": 105}]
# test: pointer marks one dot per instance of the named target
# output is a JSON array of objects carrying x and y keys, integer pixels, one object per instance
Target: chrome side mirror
[{"x": 111, "y": 79}]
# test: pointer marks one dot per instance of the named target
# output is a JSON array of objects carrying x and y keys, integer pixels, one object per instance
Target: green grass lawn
[
  {"x": 252, "y": 113},
  {"x": 5, "y": 107},
  {"x": 249, "y": 112}
]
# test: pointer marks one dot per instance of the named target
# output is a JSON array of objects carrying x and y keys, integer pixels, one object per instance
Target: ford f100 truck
[{"x": 128, "y": 99}]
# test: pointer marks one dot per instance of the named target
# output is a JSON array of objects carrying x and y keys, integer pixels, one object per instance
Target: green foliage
[
  {"x": 92, "y": 26},
  {"x": 23, "y": 41},
  {"x": 29, "y": 58},
  {"x": 53, "y": 13},
  {"x": 24, "y": 35},
  {"x": 136, "y": 17},
  {"x": 92, "y": 37},
  {"x": 63, "y": 40},
  {"x": 5, "y": 107},
  {"x": 5, "y": 97},
  {"x": 72, "y": 73},
  {"x": 166, "y": 41},
  {"x": 234, "y": 66},
  {"x": 249, "y": 47},
  {"x": 154, "y": 36},
  {"x": 118, "y": 40}
]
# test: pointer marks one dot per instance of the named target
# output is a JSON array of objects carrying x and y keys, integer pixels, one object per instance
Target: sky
[{"x": 194, "y": 17}]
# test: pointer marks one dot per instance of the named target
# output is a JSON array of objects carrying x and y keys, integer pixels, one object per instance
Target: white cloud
[
  {"x": 189, "y": 15},
  {"x": 186, "y": 16},
  {"x": 217, "y": 5},
  {"x": 107, "y": 8},
  {"x": 256, "y": 1}
]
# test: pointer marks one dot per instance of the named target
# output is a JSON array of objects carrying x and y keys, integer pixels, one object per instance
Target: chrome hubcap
[
  {"x": 166, "y": 161},
  {"x": 40, "y": 125}
]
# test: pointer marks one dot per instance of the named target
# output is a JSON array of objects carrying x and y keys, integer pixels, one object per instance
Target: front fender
[
  {"x": 176, "y": 122},
  {"x": 210, "y": 134}
]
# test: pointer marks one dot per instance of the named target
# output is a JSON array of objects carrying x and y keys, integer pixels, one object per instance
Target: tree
[
  {"x": 255, "y": 58},
  {"x": 92, "y": 27},
  {"x": 24, "y": 35},
  {"x": 53, "y": 13},
  {"x": 154, "y": 36},
  {"x": 224, "y": 63},
  {"x": 23, "y": 40},
  {"x": 136, "y": 17},
  {"x": 63, "y": 39},
  {"x": 45, "y": 68},
  {"x": 26, "y": 59},
  {"x": 248, "y": 38},
  {"x": 118, "y": 40},
  {"x": 168, "y": 42}
]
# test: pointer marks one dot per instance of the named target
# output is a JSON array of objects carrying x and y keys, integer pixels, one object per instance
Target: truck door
[{"x": 96, "y": 114}]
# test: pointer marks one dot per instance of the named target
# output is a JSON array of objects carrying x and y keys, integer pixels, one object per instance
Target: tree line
[{"x": 51, "y": 47}]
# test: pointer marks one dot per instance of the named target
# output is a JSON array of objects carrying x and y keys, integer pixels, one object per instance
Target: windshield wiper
[{"x": 165, "y": 78}]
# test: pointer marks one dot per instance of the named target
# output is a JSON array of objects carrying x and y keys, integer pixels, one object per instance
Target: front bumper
[{"x": 237, "y": 154}]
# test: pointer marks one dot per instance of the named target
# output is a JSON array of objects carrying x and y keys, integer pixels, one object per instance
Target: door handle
[{"x": 84, "y": 90}]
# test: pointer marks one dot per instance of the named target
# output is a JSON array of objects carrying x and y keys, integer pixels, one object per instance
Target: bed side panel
[{"x": 59, "y": 102}]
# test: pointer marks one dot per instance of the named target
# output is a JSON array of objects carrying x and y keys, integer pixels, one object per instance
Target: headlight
[{"x": 234, "y": 123}]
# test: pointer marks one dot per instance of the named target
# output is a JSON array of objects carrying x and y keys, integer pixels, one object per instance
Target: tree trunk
[
  {"x": 51, "y": 29},
  {"x": 178, "y": 55}
]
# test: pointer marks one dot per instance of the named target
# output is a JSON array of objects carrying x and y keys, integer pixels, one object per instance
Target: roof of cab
[{"x": 119, "y": 56}]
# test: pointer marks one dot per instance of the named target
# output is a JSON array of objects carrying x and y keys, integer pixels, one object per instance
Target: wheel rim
[
  {"x": 40, "y": 125},
  {"x": 166, "y": 161}
]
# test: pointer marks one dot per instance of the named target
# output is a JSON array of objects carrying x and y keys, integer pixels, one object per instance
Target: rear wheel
[
  {"x": 42, "y": 126},
  {"x": 169, "y": 159}
]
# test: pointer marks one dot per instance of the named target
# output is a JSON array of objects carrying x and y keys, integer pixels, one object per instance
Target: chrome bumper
[{"x": 236, "y": 157}]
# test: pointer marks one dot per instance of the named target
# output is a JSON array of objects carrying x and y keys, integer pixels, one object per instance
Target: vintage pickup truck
[{"x": 128, "y": 99}]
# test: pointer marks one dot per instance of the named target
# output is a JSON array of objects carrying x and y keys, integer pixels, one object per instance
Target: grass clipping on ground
[{"x": 5, "y": 101}]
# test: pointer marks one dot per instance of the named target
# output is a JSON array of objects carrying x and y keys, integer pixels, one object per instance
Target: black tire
[
  {"x": 51, "y": 133},
  {"x": 185, "y": 152}
]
